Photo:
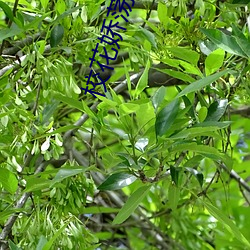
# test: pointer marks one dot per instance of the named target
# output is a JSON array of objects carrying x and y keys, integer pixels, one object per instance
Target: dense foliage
[{"x": 157, "y": 160}]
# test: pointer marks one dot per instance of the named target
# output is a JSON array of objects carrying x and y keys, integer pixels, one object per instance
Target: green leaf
[
  {"x": 198, "y": 175},
  {"x": 194, "y": 161},
  {"x": 70, "y": 101},
  {"x": 188, "y": 105},
  {"x": 143, "y": 34},
  {"x": 9, "y": 211},
  {"x": 98, "y": 210},
  {"x": 223, "y": 41},
  {"x": 7, "y": 10},
  {"x": 49, "y": 244},
  {"x": 19, "y": 20},
  {"x": 34, "y": 184},
  {"x": 244, "y": 45},
  {"x": 56, "y": 131},
  {"x": 238, "y": 33},
  {"x": 198, "y": 85},
  {"x": 56, "y": 35},
  {"x": 186, "y": 54},
  {"x": 241, "y": 40},
  {"x": 227, "y": 223},
  {"x": 219, "y": 125},
  {"x": 177, "y": 74},
  {"x": 143, "y": 81},
  {"x": 44, "y": 3},
  {"x": 41, "y": 243},
  {"x": 132, "y": 203},
  {"x": 128, "y": 108},
  {"x": 166, "y": 117},
  {"x": 13, "y": 246},
  {"x": 216, "y": 110},
  {"x": 66, "y": 172},
  {"x": 49, "y": 110},
  {"x": 117, "y": 181},
  {"x": 161, "y": 11},
  {"x": 189, "y": 68},
  {"x": 9, "y": 32},
  {"x": 174, "y": 172},
  {"x": 204, "y": 150},
  {"x": 202, "y": 114},
  {"x": 173, "y": 196},
  {"x": 158, "y": 97},
  {"x": 36, "y": 21},
  {"x": 214, "y": 61},
  {"x": 8, "y": 180},
  {"x": 68, "y": 12},
  {"x": 193, "y": 132}
]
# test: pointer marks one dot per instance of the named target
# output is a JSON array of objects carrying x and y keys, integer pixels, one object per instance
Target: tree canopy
[{"x": 124, "y": 124}]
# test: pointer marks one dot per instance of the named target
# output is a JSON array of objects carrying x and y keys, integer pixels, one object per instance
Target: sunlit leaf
[
  {"x": 185, "y": 54},
  {"x": 8, "y": 180},
  {"x": 44, "y": 3},
  {"x": 202, "y": 114},
  {"x": 161, "y": 11},
  {"x": 214, "y": 61},
  {"x": 129, "y": 108}
]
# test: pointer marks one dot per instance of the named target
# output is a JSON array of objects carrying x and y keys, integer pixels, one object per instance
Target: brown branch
[
  {"x": 148, "y": 13},
  {"x": 243, "y": 111},
  {"x": 160, "y": 238},
  {"x": 9, "y": 25},
  {"x": 19, "y": 204},
  {"x": 235, "y": 176},
  {"x": 21, "y": 44},
  {"x": 16, "y": 64}
]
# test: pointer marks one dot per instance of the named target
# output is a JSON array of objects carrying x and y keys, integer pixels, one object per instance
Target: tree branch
[
  {"x": 20, "y": 203},
  {"x": 236, "y": 177}
]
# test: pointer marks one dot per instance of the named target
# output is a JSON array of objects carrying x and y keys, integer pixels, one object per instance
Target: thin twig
[
  {"x": 148, "y": 13},
  {"x": 9, "y": 25}
]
